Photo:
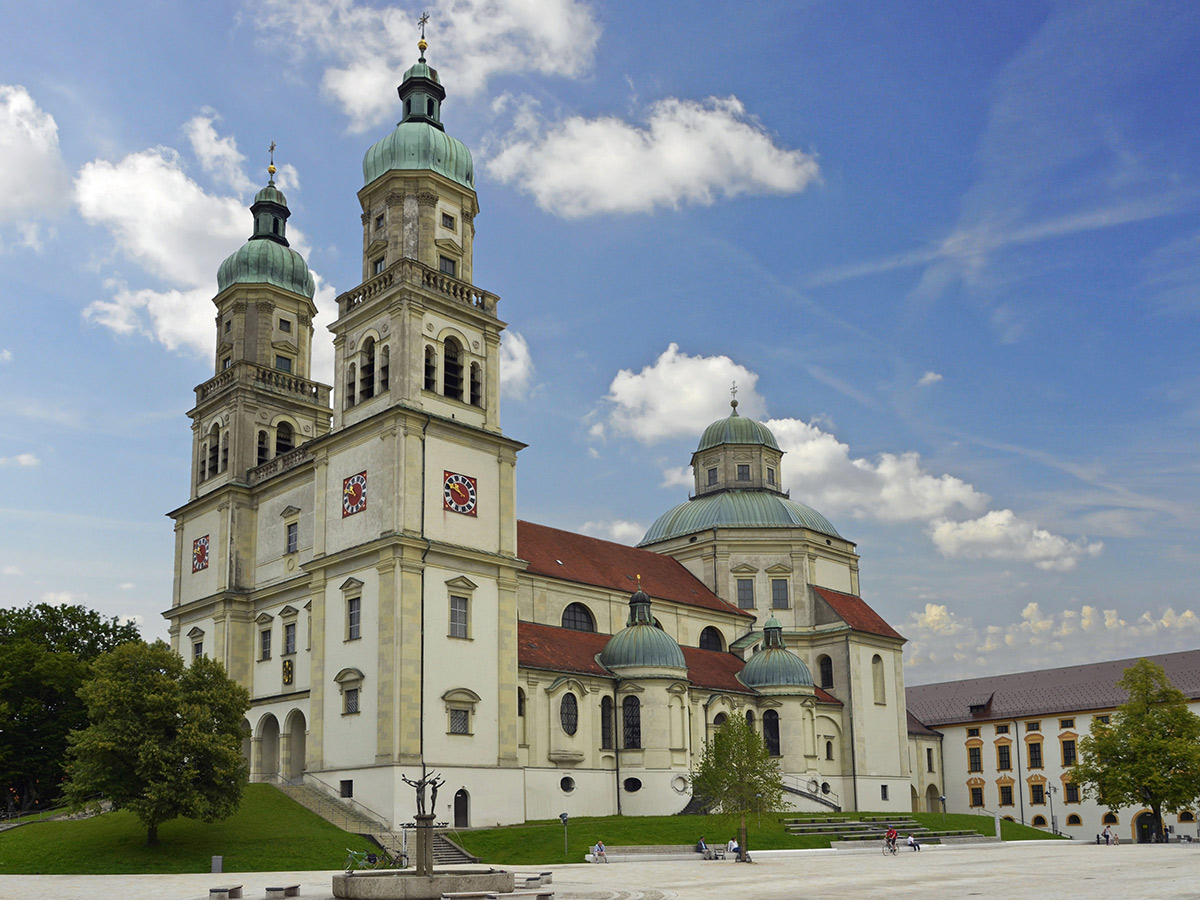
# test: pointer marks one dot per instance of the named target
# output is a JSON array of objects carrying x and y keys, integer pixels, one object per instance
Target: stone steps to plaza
[{"x": 844, "y": 829}]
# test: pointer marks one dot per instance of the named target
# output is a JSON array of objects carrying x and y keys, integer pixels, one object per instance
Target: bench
[
  {"x": 228, "y": 892},
  {"x": 287, "y": 890},
  {"x": 496, "y": 895}
]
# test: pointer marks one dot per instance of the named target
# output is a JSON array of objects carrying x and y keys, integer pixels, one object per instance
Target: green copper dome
[
  {"x": 419, "y": 141},
  {"x": 737, "y": 509},
  {"x": 641, "y": 643},
  {"x": 266, "y": 258},
  {"x": 775, "y": 665},
  {"x": 736, "y": 430}
]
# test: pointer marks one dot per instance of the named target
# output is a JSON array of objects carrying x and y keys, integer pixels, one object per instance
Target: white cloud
[
  {"x": 471, "y": 41},
  {"x": 678, "y": 395},
  {"x": 12, "y": 570},
  {"x": 59, "y": 598},
  {"x": 929, "y": 378},
  {"x": 218, "y": 155},
  {"x": 127, "y": 586},
  {"x": 21, "y": 460},
  {"x": 5, "y": 356},
  {"x": 33, "y": 177},
  {"x": 618, "y": 530},
  {"x": 176, "y": 319},
  {"x": 680, "y": 476},
  {"x": 516, "y": 365},
  {"x": 1001, "y": 534},
  {"x": 689, "y": 152}
]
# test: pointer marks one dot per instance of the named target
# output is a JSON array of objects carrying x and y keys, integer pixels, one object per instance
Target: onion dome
[
  {"x": 737, "y": 509},
  {"x": 775, "y": 665},
  {"x": 736, "y": 429},
  {"x": 266, "y": 258},
  {"x": 641, "y": 643},
  {"x": 420, "y": 141}
]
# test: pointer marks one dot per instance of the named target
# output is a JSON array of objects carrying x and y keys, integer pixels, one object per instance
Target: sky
[{"x": 949, "y": 253}]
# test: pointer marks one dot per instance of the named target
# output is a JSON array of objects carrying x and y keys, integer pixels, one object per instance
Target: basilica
[{"x": 352, "y": 555}]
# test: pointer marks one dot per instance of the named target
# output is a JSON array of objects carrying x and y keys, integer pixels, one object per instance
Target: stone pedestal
[{"x": 424, "y": 834}]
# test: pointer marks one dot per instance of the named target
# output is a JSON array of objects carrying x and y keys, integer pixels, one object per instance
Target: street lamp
[{"x": 1052, "y": 790}]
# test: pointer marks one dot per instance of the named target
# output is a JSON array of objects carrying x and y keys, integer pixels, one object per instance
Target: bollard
[{"x": 217, "y": 862}]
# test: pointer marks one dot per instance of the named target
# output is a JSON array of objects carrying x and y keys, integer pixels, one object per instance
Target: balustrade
[{"x": 409, "y": 271}]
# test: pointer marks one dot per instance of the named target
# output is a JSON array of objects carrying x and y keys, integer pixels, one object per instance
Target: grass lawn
[{"x": 270, "y": 832}]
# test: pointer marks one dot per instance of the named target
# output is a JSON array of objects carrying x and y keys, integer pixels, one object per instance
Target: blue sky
[{"x": 950, "y": 252}]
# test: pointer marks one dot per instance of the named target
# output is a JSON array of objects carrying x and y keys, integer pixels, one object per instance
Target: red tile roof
[
  {"x": 557, "y": 649},
  {"x": 854, "y": 612},
  {"x": 919, "y": 729},
  {"x": 588, "y": 560}
]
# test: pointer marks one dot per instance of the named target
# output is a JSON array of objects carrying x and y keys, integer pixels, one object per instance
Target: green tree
[
  {"x": 1149, "y": 754},
  {"x": 46, "y": 653},
  {"x": 737, "y": 775},
  {"x": 165, "y": 739}
]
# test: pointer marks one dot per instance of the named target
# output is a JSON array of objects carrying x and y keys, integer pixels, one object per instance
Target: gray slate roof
[{"x": 1042, "y": 692}]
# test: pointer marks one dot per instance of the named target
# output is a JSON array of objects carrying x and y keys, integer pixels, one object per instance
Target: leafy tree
[
  {"x": 45, "y": 655},
  {"x": 165, "y": 739},
  {"x": 737, "y": 775},
  {"x": 1150, "y": 752}
]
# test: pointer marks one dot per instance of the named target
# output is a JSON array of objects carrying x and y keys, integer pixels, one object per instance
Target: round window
[
  {"x": 633, "y": 785},
  {"x": 567, "y": 784}
]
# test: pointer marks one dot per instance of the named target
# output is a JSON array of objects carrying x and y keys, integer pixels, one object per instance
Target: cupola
[
  {"x": 641, "y": 643},
  {"x": 774, "y": 665}
]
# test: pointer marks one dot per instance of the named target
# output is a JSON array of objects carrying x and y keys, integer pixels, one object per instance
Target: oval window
[
  {"x": 568, "y": 713},
  {"x": 567, "y": 784},
  {"x": 633, "y": 785}
]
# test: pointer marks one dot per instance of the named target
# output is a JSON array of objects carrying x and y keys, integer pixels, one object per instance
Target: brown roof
[
  {"x": 558, "y": 649},
  {"x": 588, "y": 560},
  {"x": 855, "y": 613},
  {"x": 1043, "y": 692},
  {"x": 917, "y": 729}
]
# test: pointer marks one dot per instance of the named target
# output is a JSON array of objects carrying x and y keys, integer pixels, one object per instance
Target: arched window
[
  {"x": 385, "y": 358},
  {"x": 606, "y": 723},
  {"x": 214, "y": 450},
  {"x": 829, "y": 749},
  {"x": 877, "y": 679},
  {"x": 476, "y": 384},
  {"x": 750, "y": 718},
  {"x": 452, "y": 369},
  {"x": 1111, "y": 819},
  {"x": 710, "y": 639},
  {"x": 568, "y": 713},
  {"x": 1039, "y": 821},
  {"x": 1074, "y": 819},
  {"x": 430, "y": 368},
  {"x": 631, "y": 715},
  {"x": 285, "y": 438},
  {"x": 1186, "y": 816},
  {"x": 577, "y": 617},
  {"x": 225, "y": 450},
  {"x": 202, "y": 473},
  {"x": 521, "y": 715},
  {"x": 264, "y": 448},
  {"x": 719, "y": 719},
  {"x": 351, "y": 382},
  {"x": 825, "y": 667},
  {"x": 366, "y": 375},
  {"x": 771, "y": 731}
]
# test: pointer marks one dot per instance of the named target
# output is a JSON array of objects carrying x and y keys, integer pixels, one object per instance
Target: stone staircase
[
  {"x": 347, "y": 818},
  {"x": 849, "y": 831}
]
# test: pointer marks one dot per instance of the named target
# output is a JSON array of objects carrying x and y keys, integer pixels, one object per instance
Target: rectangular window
[
  {"x": 972, "y": 732},
  {"x": 459, "y": 721},
  {"x": 1037, "y": 794},
  {"x": 928, "y": 759},
  {"x": 285, "y": 325},
  {"x": 377, "y": 266},
  {"x": 447, "y": 220},
  {"x": 197, "y": 649},
  {"x": 1068, "y": 753},
  {"x": 351, "y": 698},
  {"x": 1001, "y": 729},
  {"x": 458, "y": 617},
  {"x": 770, "y": 475},
  {"x": 353, "y": 618},
  {"x": 1071, "y": 792},
  {"x": 712, "y": 477},
  {"x": 779, "y": 593},
  {"x": 977, "y": 796},
  {"x": 1004, "y": 758},
  {"x": 1035, "y": 755},
  {"x": 347, "y": 787},
  {"x": 745, "y": 593},
  {"x": 293, "y": 536},
  {"x": 228, "y": 325},
  {"x": 447, "y": 265},
  {"x": 974, "y": 759},
  {"x": 883, "y": 792},
  {"x": 1006, "y": 797},
  {"x": 743, "y": 472},
  {"x": 1064, "y": 724},
  {"x": 264, "y": 644},
  {"x": 378, "y": 222},
  {"x": 283, "y": 364},
  {"x": 289, "y": 637},
  {"x": 1104, "y": 719},
  {"x": 226, "y": 362},
  {"x": 1033, "y": 726}
]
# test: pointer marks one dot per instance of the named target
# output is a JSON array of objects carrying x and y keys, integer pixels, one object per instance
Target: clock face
[
  {"x": 354, "y": 494},
  {"x": 458, "y": 493},
  {"x": 200, "y": 553}
]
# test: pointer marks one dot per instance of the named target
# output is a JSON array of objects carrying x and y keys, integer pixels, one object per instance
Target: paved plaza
[{"x": 1017, "y": 871}]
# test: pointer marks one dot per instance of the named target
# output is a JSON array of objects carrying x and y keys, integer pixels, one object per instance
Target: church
[{"x": 352, "y": 555}]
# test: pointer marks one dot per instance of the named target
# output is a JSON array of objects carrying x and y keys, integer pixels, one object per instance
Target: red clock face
[
  {"x": 459, "y": 494},
  {"x": 200, "y": 553},
  {"x": 354, "y": 494}
]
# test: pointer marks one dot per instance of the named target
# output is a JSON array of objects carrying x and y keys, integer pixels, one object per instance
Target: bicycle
[
  {"x": 366, "y": 859},
  {"x": 889, "y": 847}
]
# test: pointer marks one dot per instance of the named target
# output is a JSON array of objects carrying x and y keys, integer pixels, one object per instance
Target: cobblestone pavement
[{"x": 1030, "y": 871}]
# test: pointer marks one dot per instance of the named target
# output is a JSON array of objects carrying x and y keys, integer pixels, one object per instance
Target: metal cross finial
[
  {"x": 422, "y": 21},
  {"x": 733, "y": 390},
  {"x": 272, "y": 151},
  {"x": 271, "y": 167}
]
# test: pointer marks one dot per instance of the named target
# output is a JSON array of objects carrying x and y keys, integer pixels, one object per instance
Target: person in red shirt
[{"x": 891, "y": 838}]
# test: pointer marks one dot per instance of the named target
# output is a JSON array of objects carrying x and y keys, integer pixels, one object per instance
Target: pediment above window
[
  {"x": 461, "y": 583},
  {"x": 265, "y": 619},
  {"x": 351, "y": 585},
  {"x": 289, "y": 612},
  {"x": 743, "y": 569},
  {"x": 196, "y": 632},
  {"x": 448, "y": 246},
  {"x": 290, "y": 511}
]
